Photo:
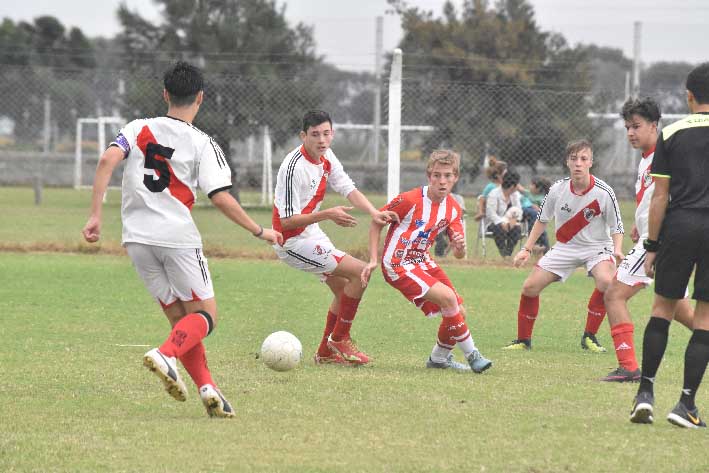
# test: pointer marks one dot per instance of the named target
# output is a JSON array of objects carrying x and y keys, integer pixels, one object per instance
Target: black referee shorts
[{"x": 684, "y": 248}]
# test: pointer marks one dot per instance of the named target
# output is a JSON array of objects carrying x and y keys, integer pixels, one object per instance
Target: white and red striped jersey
[
  {"x": 589, "y": 217},
  {"x": 644, "y": 186},
  {"x": 420, "y": 221},
  {"x": 167, "y": 159},
  {"x": 300, "y": 189}
]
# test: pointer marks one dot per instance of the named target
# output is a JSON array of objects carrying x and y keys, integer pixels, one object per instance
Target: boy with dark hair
[
  {"x": 641, "y": 118},
  {"x": 676, "y": 245},
  {"x": 300, "y": 189},
  {"x": 167, "y": 159}
]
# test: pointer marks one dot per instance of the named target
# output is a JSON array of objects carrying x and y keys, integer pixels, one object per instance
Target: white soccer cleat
[
  {"x": 165, "y": 368},
  {"x": 214, "y": 402}
]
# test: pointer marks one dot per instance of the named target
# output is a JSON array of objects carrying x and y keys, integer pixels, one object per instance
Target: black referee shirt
[{"x": 682, "y": 154}]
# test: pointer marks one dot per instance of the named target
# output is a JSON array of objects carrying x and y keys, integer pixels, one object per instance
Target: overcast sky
[{"x": 674, "y": 30}]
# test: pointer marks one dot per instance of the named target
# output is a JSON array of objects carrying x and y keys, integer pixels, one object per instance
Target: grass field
[{"x": 75, "y": 398}]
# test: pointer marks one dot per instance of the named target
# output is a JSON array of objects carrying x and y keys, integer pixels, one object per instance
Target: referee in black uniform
[{"x": 677, "y": 244}]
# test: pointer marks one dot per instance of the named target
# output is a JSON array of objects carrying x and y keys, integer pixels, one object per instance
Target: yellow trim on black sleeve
[{"x": 692, "y": 121}]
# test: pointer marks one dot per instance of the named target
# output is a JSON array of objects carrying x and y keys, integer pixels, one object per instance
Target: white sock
[
  {"x": 467, "y": 345},
  {"x": 439, "y": 354}
]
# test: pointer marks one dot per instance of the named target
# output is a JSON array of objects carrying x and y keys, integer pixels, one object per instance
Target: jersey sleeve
[
  {"x": 399, "y": 205},
  {"x": 456, "y": 225},
  {"x": 339, "y": 180},
  {"x": 125, "y": 139},
  {"x": 548, "y": 205},
  {"x": 611, "y": 213},
  {"x": 213, "y": 173},
  {"x": 289, "y": 188},
  {"x": 660, "y": 166}
]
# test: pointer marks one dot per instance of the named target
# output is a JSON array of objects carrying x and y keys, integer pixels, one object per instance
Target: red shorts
[{"x": 415, "y": 284}]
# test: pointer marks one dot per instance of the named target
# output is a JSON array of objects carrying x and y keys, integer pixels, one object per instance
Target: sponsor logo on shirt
[
  {"x": 566, "y": 208},
  {"x": 319, "y": 250}
]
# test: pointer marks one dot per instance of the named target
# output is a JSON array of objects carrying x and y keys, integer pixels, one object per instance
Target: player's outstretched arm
[
  {"x": 228, "y": 205},
  {"x": 618, "y": 247},
  {"x": 458, "y": 244},
  {"x": 375, "y": 230},
  {"x": 106, "y": 164},
  {"x": 362, "y": 203},
  {"x": 523, "y": 255}
]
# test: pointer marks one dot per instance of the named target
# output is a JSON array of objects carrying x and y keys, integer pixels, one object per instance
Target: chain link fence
[{"x": 526, "y": 127}]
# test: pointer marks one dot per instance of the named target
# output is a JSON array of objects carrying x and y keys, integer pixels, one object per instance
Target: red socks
[
  {"x": 187, "y": 333},
  {"x": 596, "y": 312},
  {"x": 526, "y": 316},
  {"x": 323, "y": 350},
  {"x": 348, "y": 310},
  {"x": 452, "y": 330},
  {"x": 195, "y": 362},
  {"x": 624, "y": 346}
]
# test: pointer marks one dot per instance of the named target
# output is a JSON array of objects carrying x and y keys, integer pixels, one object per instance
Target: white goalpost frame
[{"x": 101, "y": 123}]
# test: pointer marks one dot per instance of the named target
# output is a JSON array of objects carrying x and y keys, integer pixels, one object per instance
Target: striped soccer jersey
[
  {"x": 167, "y": 159},
  {"x": 586, "y": 218},
  {"x": 644, "y": 185},
  {"x": 301, "y": 186},
  {"x": 421, "y": 220}
]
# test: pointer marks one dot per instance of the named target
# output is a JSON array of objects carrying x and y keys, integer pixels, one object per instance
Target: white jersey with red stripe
[
  {"x": 407, "y": 242},
  {"x": 167, "y": 159},
  {"x": 644, "y": 186},
  {"x": 585, "y": 218},
  {"x": 300, "y": 189}
]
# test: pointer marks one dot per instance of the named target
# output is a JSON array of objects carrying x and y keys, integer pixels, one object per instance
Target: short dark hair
[
  {"x": 315, "y": 118},
  {"x": 577, "y": 145},
  {"x": 183, "y": 82},
  {"x": 645, "y": 107},
  {"x": 542, "y": 184},
  {"x": 510, "y": 179},
  {"x": 698, "y": 83}
]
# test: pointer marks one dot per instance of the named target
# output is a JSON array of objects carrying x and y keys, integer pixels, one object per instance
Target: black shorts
[{"x": 684, "y": 248}]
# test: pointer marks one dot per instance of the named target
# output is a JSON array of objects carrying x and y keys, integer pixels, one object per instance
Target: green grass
[{"x": 75, "y": 398}]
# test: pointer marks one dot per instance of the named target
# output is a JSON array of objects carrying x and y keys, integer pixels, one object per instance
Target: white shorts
[
  {"x": 631, "y": 271},
  {"x": 170, "y": 274},
  {"x": 563, "y": 259},
  {"x": 313, "y": 255}
]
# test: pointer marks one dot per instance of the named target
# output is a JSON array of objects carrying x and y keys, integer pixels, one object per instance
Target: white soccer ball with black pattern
[{"x": 281, "y": 351}]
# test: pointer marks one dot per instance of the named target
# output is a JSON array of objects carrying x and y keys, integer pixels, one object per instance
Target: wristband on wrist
[
  {"x": 259, "y": 233},
  {"x": 651, "y": 246}
]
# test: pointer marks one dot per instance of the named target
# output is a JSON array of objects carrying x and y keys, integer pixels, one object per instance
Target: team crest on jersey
[
  {"x": 566, "y": 208},
  {"x": 588, "y": 214},
  {"x": 647, "y": 178}
]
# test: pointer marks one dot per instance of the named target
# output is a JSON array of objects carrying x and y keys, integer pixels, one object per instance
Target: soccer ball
[{"x": 281, "y": 351}]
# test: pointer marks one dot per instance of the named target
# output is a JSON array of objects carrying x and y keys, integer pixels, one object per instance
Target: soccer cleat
[
  {"x": 348, "y": 350},
  {"x": 519, "y": 344},
  {"x": 642, "y": 408},
  {"x": 449, "y": 363},
  {"x": 683, "y": 417},
  {"x": 214, "y": 402},
  {"x": 333, "y": 359},
  {"x": 165, "y": 368},
  {"x": 590, "y": 342},
  {"x": 621, "y": 375},
  {"x": 478, "y": 363}
]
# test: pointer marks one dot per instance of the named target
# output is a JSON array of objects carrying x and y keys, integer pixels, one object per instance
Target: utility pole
[
  {"x": 378, "y": 88},
  {"x": 637, "y": 37}
]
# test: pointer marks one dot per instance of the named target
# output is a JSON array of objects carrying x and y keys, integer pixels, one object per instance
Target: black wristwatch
[{"x": 651, "y": 246}]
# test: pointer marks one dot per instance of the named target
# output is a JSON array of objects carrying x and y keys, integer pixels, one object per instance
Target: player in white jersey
[
  {"x": 167, "y": 160},
  {"x": 589, "y": 233},
  {"x": 641, "y": 118},
  {"x": 300, "y": 189},
  {"x": 425, "y": 212}
]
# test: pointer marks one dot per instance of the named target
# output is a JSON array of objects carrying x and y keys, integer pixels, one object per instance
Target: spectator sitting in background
[
  {"x": 507, "y": 230},
  {"x": 531, "y": 203},
  {"x": 494, "y": 170}
]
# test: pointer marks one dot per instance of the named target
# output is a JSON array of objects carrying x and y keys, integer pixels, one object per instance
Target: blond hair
[
  {"x": 445, "y": 157},
  {"x": 495, "y": 168}
]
